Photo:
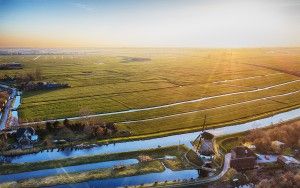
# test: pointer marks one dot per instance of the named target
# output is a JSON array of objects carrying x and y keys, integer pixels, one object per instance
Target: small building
[
  {"x": 15, "y": 65},
  {"x": 288, "y": 162},
  {"x": 30, "y": 86},
  {"x": 277, "y": 146},
  {"x": 26, "y": 136},
  {"x": 12, "y": 65},
  {"x": 242, "y": 158}
]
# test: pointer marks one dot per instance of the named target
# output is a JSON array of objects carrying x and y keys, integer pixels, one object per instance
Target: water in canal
[
  {"x": 168, "y": 175},
  {"x": 67, "y": 169},
  {"x": 17, "y": 102},
  {"x": 152, "y": 143}
]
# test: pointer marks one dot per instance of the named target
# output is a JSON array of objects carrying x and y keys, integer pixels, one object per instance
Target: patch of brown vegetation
[
  {"x": 145, "y": 158},
  {"x": 287, "y": 133}
]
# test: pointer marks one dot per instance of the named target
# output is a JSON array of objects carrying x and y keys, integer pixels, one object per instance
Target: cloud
[{"x": 83, "y": 6}]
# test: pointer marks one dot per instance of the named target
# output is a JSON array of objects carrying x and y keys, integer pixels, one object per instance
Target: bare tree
[
  {"x": 38, "y": 73},
  {"x": 85, "y": 112}
]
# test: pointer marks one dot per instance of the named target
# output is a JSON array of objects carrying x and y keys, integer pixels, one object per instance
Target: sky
[{"x": 149, "y": 23}]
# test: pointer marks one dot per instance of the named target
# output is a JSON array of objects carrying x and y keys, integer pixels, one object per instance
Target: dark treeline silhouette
[{"x": 96, "y": 129}]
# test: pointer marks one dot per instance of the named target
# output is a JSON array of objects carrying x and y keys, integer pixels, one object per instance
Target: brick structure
[{"x": 242, "y": 158}]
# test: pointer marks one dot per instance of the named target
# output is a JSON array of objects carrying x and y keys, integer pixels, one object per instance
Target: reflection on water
[
  {"x": 17, "y": 102},
  {"x": 68, "y": 169},
  {"x": 168, "y": 175},
  {"x": 152, "y": 143},
  {"x": 14, "y": 114}
]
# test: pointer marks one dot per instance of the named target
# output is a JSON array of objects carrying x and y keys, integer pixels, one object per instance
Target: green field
[{"x": 108, "y": 82}]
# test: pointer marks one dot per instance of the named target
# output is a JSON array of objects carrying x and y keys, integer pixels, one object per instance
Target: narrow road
[
  {"x": 8, "y": 106},
  {"x": 198, "y": 182}
]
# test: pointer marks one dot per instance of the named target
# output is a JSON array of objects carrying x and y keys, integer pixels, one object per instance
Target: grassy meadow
[{"x": 123, "y": 79}]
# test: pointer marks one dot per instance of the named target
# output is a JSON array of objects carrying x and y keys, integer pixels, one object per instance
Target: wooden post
[{"x": 204, "y": 123}]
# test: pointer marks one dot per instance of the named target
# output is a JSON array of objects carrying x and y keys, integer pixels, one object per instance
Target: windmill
[
  {"x": 204, "y": 142},
  {"x": 199, "y": 136}
]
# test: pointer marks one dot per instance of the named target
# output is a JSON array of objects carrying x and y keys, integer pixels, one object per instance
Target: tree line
[{"x": 67, "y": 129}]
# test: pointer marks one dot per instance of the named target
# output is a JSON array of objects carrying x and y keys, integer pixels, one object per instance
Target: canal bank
[
  {"x": 151, "y": 143},
  {"x": 167, "y": 175}
]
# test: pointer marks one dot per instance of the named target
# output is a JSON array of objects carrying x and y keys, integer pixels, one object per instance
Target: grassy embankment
[
  {"x": 144, "y": 135},
  {"x": 131, "y": 170},
  {"x": 226, "y": 143},
  {"x": 156, "y": 165},
  {"x": 177, "y": 151}
]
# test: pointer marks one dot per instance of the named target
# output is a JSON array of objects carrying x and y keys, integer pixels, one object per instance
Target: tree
[
  {"x": 288, "y": 179},
  {"x": 48, "y": 142},
  {"x": 263, "y": 184},
  {"x": 4, "y": 95},
  {"x": 80, "y": 127},
  {"x": 66, "y": 122},
  {"x": 49, "y": 126},
  {"x": 99, "y": 131},
  {"x": 3, "y": 143},
  {"x": 109, "y": 132},
  {"x": 38, "y": 73},
  {"x": 56, "y": 125},
  {"x": 65, "y": 133},
  {"x": 29, "y": 77},
  {"x": 85, "y": 112},
  {"x": 89, "y": 130},
  {"x": 111, "y": 126}
]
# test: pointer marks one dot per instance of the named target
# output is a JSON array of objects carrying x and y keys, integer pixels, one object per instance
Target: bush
[
  {"x": 287, "y": 133},
  {"x": 287, "y": 179}
]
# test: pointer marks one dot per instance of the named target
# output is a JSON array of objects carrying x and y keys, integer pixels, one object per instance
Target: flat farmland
[{"x": 159, "y": 90}]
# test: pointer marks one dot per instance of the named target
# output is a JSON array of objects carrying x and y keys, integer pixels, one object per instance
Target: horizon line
[{"x": 149, "y": 47}]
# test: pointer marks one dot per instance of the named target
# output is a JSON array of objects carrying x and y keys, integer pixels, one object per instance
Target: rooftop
[
  {"x": 241, "y": 152},
  {"x": 288, "y": 159}
]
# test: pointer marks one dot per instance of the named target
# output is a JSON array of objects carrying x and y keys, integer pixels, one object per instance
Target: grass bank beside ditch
[
  {"x": 131, "y": 170},
  {"x": 227, "y": 142},
  {"x": 177, "y": 151},
  {"x": 141, "y": 134}
]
